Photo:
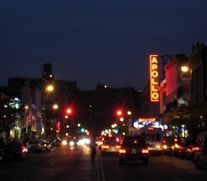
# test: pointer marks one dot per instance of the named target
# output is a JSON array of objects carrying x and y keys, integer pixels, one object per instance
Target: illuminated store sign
[
  {"x": 154, "y": 78},
  {"x": 149, "y": 120}
]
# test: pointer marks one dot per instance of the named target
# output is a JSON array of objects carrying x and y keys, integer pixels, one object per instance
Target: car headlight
[
  {"x": 72, "y": 143},
  {"x": 64, "y": 142},
  {"x": 122, "y": 151},
  {"x": 145, "y": 151}
]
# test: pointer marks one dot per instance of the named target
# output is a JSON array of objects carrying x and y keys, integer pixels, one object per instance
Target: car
[
  {"x": 14, "y": 150},
  {"x": 134, "y": 148},
  {"x": 191, "y": 150},
  {"x": 184, "y": 147},
  {"x": 110, "y": 147},
  {"x": 34, "y": 146},
  {"x": 168, "y": 145},
  {"x": 46, "y": 145},
  {"x": 200, "y": 158}
]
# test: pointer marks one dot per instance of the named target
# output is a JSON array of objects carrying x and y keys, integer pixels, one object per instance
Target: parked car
[
  {"x": 34, "y": 146},
  {"x": 134, "y": 148},
  {"x": 201, "y": 159},
  {"x": 46, "y": 145},
  {"x": 14, "y": 150},
  {"x": 191, "y": 150},
  {"x": 184, "y": 147},
  {"x": 110, "y": 147}
]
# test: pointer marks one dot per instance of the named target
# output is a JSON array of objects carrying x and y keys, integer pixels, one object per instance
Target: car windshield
[
  {"x": 13, "y": 145},
  {"x": 136, "y": 141},
  {"x": 189, "y": 141},
  {"x": 152, "y": 136},
  {"x": 110, "y": 142},
  {"x": 34, "y": 142}
]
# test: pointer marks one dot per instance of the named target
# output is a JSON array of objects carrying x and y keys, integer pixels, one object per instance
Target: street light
[
  {"x": 49, "y": 88},
  {"x": 185, "y": 72},
  {"x": 47, "y": 107},
  {"x": 129, "y": 113},
  {"x": 55, "y": 106},
  {"x": 184, "y": 68}
]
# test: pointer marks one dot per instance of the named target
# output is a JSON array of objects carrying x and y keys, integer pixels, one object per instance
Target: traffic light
[
  {"x": 68, "y": 111},
  {"x": 119, "y": 112}
]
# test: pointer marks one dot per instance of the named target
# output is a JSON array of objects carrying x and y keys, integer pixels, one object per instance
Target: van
[
  {"x": 154, "y": 139},
  {"x": 201, "y": 156}
]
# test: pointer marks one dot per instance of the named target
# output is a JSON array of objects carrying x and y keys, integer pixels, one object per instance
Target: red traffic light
[
  {"x": 68, "y": 111},
  {"x": 119, "y": 112}
]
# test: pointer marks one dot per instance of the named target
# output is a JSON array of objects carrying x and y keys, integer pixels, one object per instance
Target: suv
[
  {"x": 134, "y": 148},
  {"x": 46, "y": 145},
  {"x": 200, "y": 157},
  {"x": 34, "y": 146},
  {"x": 15, "y": 150}
]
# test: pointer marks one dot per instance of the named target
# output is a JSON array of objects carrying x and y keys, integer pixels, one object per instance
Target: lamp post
[
  {"x": 129, "y": 113},
  {"x": 46, "y": 107},
  {"x": 186, "y": 78},
  {"x": 56, "y": 122}
]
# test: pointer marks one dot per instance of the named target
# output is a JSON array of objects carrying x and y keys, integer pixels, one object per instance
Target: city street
[{"x": 75, "y": 165}]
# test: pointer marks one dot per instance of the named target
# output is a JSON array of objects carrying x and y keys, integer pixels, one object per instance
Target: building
[
  {"x": 99, "y": 107},
  {"x": 183, "y": 93}
]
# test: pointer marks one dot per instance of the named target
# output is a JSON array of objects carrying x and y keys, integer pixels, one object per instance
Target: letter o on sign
[{"x": 155, "y": 95}]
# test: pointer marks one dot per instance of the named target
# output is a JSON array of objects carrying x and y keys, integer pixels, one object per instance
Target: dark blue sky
[{"x": 96, "y": 41}]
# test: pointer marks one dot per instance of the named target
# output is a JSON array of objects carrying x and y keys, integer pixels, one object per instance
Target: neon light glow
[
  {"x": 154, "y": 78},
  {"x": 147, "y": 120}
]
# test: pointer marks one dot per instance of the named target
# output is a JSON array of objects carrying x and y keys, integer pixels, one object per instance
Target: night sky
[{"x": 96, "y": 41}]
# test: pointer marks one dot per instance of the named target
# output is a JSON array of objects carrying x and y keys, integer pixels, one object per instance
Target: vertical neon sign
[{"x": 154, "y": 78}]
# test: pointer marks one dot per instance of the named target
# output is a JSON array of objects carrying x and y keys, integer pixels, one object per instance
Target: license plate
[{"x": 134, "y": 151}]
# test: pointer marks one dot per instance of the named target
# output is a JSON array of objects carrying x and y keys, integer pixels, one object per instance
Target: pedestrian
[{"x": 93, "y": 148}]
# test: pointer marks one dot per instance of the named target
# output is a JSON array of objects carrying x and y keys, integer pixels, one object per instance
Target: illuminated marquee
[
  {"x": 151, "y": 120},
  {"x": 154, "y": 78}
]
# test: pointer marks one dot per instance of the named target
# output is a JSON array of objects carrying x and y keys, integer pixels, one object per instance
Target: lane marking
[{"x": 100, "y": 169}]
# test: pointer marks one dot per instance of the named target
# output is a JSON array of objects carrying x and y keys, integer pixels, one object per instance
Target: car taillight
[
  {"x": 158, "y": 146},
  {"x": 24, "y": 149},
  {"x": 145, "y": 151},
  {"x": 122, "y": 151},
  {"x": 118, "y": 146},
  {"x": 188, "y": 149},
  {"x": 105, "y": 146},
  {"x": 195, "y": 148},
  {"x": 176, "y": 145}
]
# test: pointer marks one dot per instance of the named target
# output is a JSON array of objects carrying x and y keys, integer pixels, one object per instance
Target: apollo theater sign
[{"x": 154, "y": 78}]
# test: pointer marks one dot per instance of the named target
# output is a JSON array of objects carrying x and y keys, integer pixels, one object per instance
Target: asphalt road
[{"x": 75, "y": 165}]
